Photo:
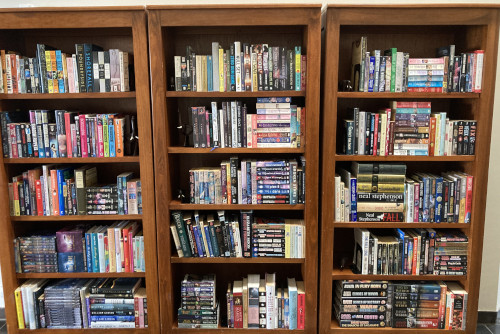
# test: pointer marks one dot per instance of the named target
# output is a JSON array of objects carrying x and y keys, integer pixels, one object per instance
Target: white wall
[{"x": 489, "y": 300}]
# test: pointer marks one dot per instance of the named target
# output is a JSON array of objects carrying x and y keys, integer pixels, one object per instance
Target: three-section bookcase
[
  {"x": 108, "y": 27},
  {"x": 171, "y": 30},
  {"x": 419, "y": 30}
]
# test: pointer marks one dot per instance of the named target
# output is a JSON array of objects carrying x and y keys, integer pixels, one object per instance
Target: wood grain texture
[
  {"x": 335, "y": 328},
  {"x": 223, "y": 260},
  {"x": 415, "y": 27},
  {"x": 170, "y": 29},
  {"x": 118, "y": 27}
]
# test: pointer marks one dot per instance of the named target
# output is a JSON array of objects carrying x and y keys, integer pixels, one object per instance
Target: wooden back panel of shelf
[
  {"x": 119, "y": 27},
  {"x": 419, "y": 31}
]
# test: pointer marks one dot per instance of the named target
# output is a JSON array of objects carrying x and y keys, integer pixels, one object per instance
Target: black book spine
[
  {"x": 220, "y": 239},
  {"x": 5, "y": 135},
  {"x": 460, "y": 138},
  {"x": 19, "y": 139},
  {"x": 372, "y": 133},
  {"x": 367, "y": 132},
  {"x": 22, "y": 207},
  {"x": 202, "y": 125},
  {"x": 239, "y": 128},
  {"x": 356, "y": 132},
  {"x": 226, "y": 107},
  {"x": 472, "y": 137},
  {"x": 42, "y": 65},
  {"x": 466, "y": 138},
  {"x": 78, "y": 139},
  {"x": 107, "y": 71},
  {"x": 283, "y": 69},
  {"x": 28, "y": 63},
  {"x": 276, "y": 67},
  {"x": 96, "y": 72},
  {"x": 463, "y": 73},
  {"x": 234, "y": 179},
  {"x": 244, "y": 126},
  {"x": 80, "y": 63}
]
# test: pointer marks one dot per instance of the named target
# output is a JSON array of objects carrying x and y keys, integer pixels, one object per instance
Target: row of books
[
  {"x": 81, "y": 303},
  {"x": 53, "y": 190},
  {"x": 408, "y": 128},
  {"x": 410, "y": 252},
  {"x": 276, "y": 123},
  {"x": 67, "y": 134},
  {"x": 383, "y": 193},
  {"x": 231, "y": 235},
  {"x": 394, "y": 71},
  {"x": 429, "y": 305},
  {"x": 256, "y": 302},
  {"x": 242, "y": 67},
  {"x": 100, "y": 249},
  {"x": 249, "y": 182},
  {"x": 89, "y": 69},
  {"x": 199, "y": 307}
]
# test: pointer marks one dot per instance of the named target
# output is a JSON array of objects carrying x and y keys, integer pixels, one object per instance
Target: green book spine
[
  {"x": 95, "y": 253},
  {"x": 181, "y": 231},
  {"x": 213, "y": 240},
  {"x": 393, "y": 53}
]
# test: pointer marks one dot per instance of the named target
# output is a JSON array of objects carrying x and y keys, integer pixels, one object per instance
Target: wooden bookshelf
[
  {"x": 419, "y": 30},
  {"x": 118, "y": 27},
  {"x": 171, "y": 29}
]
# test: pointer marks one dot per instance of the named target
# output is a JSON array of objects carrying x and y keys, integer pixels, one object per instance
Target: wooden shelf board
[
  {"x": 230, "y": 150},
  {"x": 62, "y": 96},
  {"x": 452, "y": 158},
  {"x": 176, "y": 329},
  {"x": 385, "y": 95},
  {"x": 347, "y": 273},
  {"x": 335, "y": 328},
  {"x": 176, "y": 205},
  {"x": 86, "y": 330},
  {"x": 75, "y": 218},
  {"x": 69, "y": 160},
  {"x": 399, "y": 225},
  {"x": 175, "y": 259},
  {"x": 79, "y": 275},
  {"x": 291, "y": 93}
]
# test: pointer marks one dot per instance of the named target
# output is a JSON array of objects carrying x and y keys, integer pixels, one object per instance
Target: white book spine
[
  {"x": 254, "y": 181},
  {"x": 118, "y": 250},
  {"x": 102, "y": 257},
  {"x": 361, "y": 133},
  {"x": 234, "y": 125},
  {"x": 215, "y": 124},
  {"x": 270, "y": 306},
  {"x": 177, "y": 73},
  {"x": 479, "y": 72},
  {"x": 75, "y": 74},
  {"x": 240, "y": 201},
  {"x": 399, "y": 72},
  {"x": 215, "y": 66},
  {"x": 237, "y": 65},
  {"x": 1, "y": 78},
  {"x": 337, "y": 198},
  {"x": 366, "y": 251},
  {"x": 383, "y": 135},
  {"x": 222, "y": 131},
  {"x": 8, "y": 72},
  {"x": 375, "y": 255},
  {"x": 377, "y": 70}
]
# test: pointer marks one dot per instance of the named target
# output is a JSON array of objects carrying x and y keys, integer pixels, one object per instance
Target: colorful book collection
[
  {"x": 100, "y": 249},
  {"x": 199, "y": 307},
  {"x": 429, "y": 305},
  {"x": 394, "y": 71},
  {"x": 383, "y": 193},
  {"x": 243, "y": 67},
  {"x": 75, "y": 303},
  {"x": 256, "y": 302},
  {"x": 67, "y": 134},
  {"x": 90, "y": 69},
  {"x": 231, "y": 235},
  {"x": 408, "y": 128},
  {"x": 276, "y": 123},
  {"x": 61, "y": 190},
  {"x": 249, "y": 182},
  {"x": 410, "y": 252}
]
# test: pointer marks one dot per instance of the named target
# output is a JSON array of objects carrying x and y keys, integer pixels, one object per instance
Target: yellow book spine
[
  {"x": 384, "y": 187},
  {"x": 254, "y": 72},
  {"x": 221, "y": 70},
  {"x": 53, "y": 60},
  {"x": 461, "y": 211},
  {"x": 19, "y": 308},
  {"x": 287, "y": 241},
  {"x": 228, "y": 186},
  {"x": 48, "y": 65}
]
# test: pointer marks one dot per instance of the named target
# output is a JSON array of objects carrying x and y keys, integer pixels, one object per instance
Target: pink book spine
[
  {"x": 13, "y": 140},
  {"x": 417, "y": 194},
  {"x": 71, "y": 78},
  {"x": 131, "y": 252},
  {"x": 141, "y": 313},
  {"x": 100, "y": 140},
  {"x": 69, "y": 142},
  {"x": 83, "y": 136},
  {"x": 208, "y": 128},
  {"x": 254, "y": 130}
]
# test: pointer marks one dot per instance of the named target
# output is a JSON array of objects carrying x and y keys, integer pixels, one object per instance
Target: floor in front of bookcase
[
  {"x": 481, "y": 328},
  {"x": 3, "y": 327}
]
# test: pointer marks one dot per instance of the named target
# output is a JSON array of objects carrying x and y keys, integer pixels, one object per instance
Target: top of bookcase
[
  {"x": 238, "y": 6},
  {"x": 71, "y": 9},
  {"x": 422, "y": 5}
]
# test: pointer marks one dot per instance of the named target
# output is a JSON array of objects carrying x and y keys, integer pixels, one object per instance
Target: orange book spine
[{"x": 54, "y": 192}]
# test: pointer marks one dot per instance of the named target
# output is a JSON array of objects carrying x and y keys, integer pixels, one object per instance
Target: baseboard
[{"x": 485, "y": 317}]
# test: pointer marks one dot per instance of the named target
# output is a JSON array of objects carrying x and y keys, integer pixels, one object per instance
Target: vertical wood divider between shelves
[
  {"x": 480, "y": 31},
  {"x": 329, "y": 145},
  {"x": 163, "y": 20},
  {"x": 162, "y": 168}
]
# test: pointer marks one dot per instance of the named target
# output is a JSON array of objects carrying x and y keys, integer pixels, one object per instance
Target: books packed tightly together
[
  {"x": 117, "y": 248},
  {"x": 89, "y": 69},
  {"x": 233, "y": 234},
  {"x": 373, "y": 192},
  {"x": 394, "y": 71},
  {"x": 399, "y": 304},
  {"x": 275, "y": 123},
  {"x": 408, "y": 128},
  {"x": 242, "y": 67},
  {"x": 53, "y": 190},
  {"x": 81, "y": 303}
]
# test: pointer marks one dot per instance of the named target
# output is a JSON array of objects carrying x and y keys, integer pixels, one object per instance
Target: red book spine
[
  {"x": 13, "y": 140},
  {"x": 375, "y": 134},
  {"x": 407, "y": 104},
  {"x": 13, "y": 69},
  {"x": 100, "y": 139},
  {"x": 391, "y": 138},
  {"x": 432, "y": 136},
  {"x": 301, "y": 304},
  {"x": 131, "y": 250},
  {"x": 54, "y": 190},
  {"x": 207, "y": 122},
  {"x": 427, "y": 323},
  {"x": 425, "y": 89},
  {"x": 302, "y": 126},
  {"x": 136, "y": 311},
  {"x": 468, "y": 199},
  {"x": 442, "y": 307},
  {"x": 67, "y": 126},
  {"x": 83, "y": 136},
  {"x": 303, "y": 72},
  {"x": 126, "y": 250},
  {"x": 414, "y": 262},
  {"x": 238, "y": 310},
  {"x": 39, "y": 200}
]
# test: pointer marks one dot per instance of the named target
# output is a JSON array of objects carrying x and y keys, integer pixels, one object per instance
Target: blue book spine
[
  {"x": 249, "y": 182},
  {"x": 371, "y": 78},
  {"x": 198, "y": 241},
  {"x": 213, "y": 240},
  {"x": 419, "y": 152},
  {"x": 413, "y": 111},
  {"x": 231, "y": 238},
  {"x": 127, "y": 318},
  {"x": 293, "y": 127},
  {"x": 29, "y": 143},
  {"x": 88, "y": 250},
  {"x": 439, "y": 200},
  {"x": 206, "y": 189},
  {"x": 425, "y": 83},
  {"x": 287, "y": 311},
  {"x": 443, "y": 133},
  {"x": 401, "y": 236},
  {"x": 201, "y": 186},
  {"x": 292, "y": 307},
  {"x": 233, "y": 76},
  {"x": 429, "y": 296},
  {"x": 273, "y": 191},
  {"x": 425, "y": 214},
  {"x": 354, "y": 199},
  {"x": 209, "y": 243},
  {"x": 119, "y": 189},
  {"x": 283, "y": 99},
  {"x": 70, "y": 262},
  {"x": 209, "y": 74},
  {"x": 60, "y": 190},
  {"x": 59, "y": 64},
  {"x": 111, "y": 134},
  {"x": 95, "y": 253},
  {"x": 124, "y": 194},
  {"x": 425, "y": 78},
  {"x": 89, "y": 82}
]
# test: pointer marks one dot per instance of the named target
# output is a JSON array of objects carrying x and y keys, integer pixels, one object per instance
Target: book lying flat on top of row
[{"x": 89, "y": 69}]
